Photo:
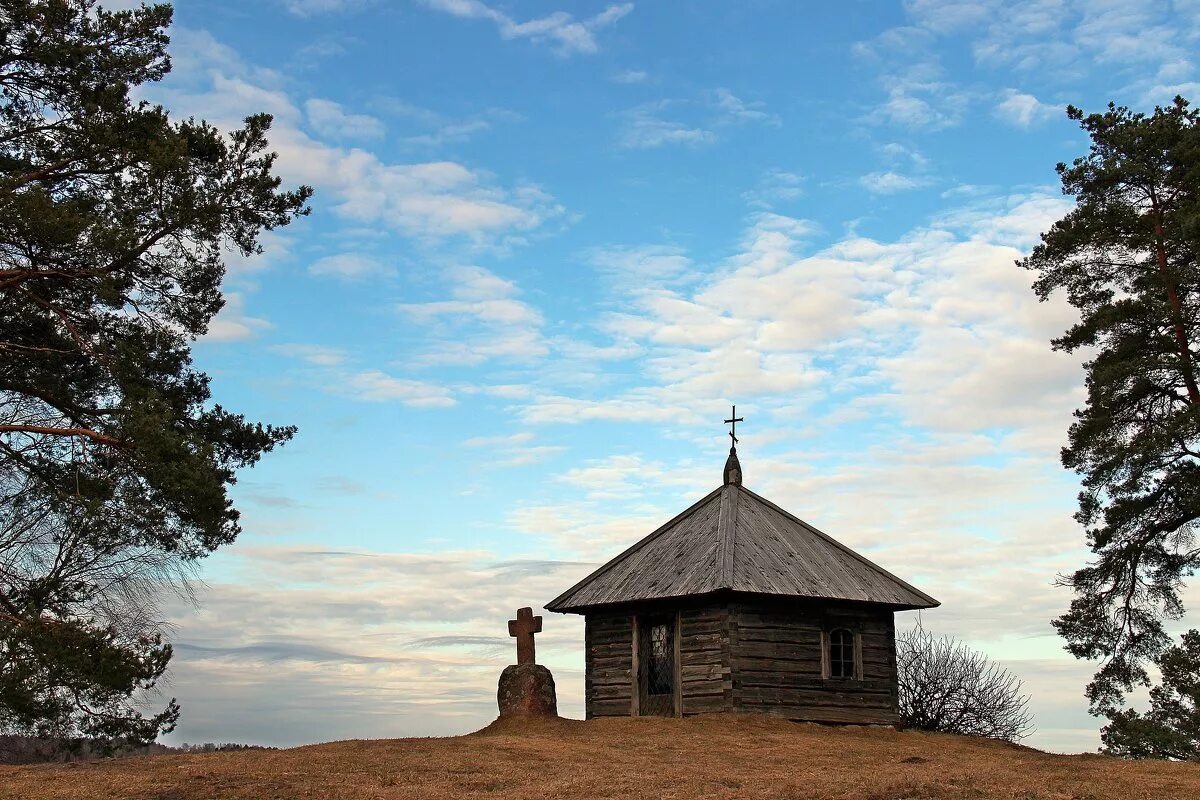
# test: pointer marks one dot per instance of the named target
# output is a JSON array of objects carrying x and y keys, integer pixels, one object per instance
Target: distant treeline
[{"x": 34, "y": 750}]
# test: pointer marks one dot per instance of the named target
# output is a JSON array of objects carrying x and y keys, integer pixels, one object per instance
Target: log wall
[
  {"x": 706, "y": 684},
  {"x": 777, "y": 663},
  {"x": 752, "y": 656},
  {"x": 608, "y": 665}
]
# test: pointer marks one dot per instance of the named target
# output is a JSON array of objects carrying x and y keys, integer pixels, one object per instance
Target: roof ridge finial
[{"x": 733, "y": 467}]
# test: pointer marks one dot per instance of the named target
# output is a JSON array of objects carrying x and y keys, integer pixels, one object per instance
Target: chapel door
[{"x": 656, "y": 666}]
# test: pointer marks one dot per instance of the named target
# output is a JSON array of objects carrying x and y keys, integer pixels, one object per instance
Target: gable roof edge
[
  {"x": 933, "y": 603},
  {"x": 556, "y": 603}
]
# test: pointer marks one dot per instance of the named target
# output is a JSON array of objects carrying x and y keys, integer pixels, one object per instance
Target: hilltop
[{"x": 702, "y": 757}]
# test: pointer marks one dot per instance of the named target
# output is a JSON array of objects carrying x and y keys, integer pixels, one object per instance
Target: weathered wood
[
  {"x": 781, "y": 663},
  {"x": 707, "y": 672},
  {"x": 762, "y": 684},
  {"x": 788, "y": 672},
  {"x": 609, "y": 708},
  {"x": 705, "y": 704},
  {"x": 677, "y": 678},
  {"x": 732, "y": 540},
  {"x": 608, "y": 665},
  {"x": 709, "y": 655},
  {"x": 751, "y": 655},
  {"x": 703, "y": 659},
  {"x": 589, "y": 668},
  {"x": 635, "y": 694}
]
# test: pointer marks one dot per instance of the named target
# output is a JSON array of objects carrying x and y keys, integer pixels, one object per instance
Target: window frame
[
  {"x": 855, "y": 644},
  {"x": 639, "y": 623},
  {"x": 666, "y": 659}
]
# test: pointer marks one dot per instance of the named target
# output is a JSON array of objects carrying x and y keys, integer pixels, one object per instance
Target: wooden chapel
[{"x": 737, "y": 605}]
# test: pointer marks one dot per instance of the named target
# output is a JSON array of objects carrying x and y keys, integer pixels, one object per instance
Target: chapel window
[
  {"x": 661, "y": 667},
  {"x": 841, "y": 653}
]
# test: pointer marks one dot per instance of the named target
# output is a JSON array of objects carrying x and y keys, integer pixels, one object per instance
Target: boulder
[{"x": 526, "y": 690}]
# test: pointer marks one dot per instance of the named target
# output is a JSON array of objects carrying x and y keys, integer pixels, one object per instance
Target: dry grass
[{"x": 702, "y": 757}]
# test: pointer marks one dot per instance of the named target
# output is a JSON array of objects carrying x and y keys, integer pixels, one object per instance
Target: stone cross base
[{"x": 526, "y": 690}]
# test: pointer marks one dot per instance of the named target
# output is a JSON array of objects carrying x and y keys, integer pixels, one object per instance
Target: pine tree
[
  {"x": 1171, "y": 728},
  {"x": 1128, "y": 258},
  {"x": 114, "y": 461}
]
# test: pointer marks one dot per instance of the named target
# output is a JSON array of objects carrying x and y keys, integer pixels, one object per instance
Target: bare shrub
[{"x": 946, "y": 686}]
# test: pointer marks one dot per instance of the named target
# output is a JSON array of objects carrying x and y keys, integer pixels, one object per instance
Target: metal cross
[
  {"x": 733, "y": 420},
  {"x": 524, "y": 627}
]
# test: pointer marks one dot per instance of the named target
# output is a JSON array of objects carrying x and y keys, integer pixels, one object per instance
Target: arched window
[{"x": 841, "y": 653}]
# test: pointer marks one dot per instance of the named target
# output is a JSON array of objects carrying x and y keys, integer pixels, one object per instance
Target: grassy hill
[{"x": 702, "y": 757}]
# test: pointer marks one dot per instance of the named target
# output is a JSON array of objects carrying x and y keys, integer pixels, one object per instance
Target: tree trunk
[{"x": 1181, "y": 338}]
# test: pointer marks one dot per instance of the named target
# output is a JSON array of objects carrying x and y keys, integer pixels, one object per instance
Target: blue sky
[{"x": 551, "y": 244}]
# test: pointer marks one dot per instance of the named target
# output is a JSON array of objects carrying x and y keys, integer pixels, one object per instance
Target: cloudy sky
[{"x": 551, "y": 243}]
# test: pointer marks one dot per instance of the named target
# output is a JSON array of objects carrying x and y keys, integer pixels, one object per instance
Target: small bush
[{"x": 946, "y": 686}]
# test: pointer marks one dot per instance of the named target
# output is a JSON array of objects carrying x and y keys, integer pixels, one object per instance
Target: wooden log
[
  {"x": 793, "y": 651},
  {"x": 702, "y": 672},
  {"x": 624, "y": 678},
  {"x": 610, "y": 708},
  {"x": 712, "y": 656},
  {"x": 705, "y": 705},
  {"x": 774, "y": 695},
  {"x": 610, "y": 693},
  {"x": 603, "y": 662}
]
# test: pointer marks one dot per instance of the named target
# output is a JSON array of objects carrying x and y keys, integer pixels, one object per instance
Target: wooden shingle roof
[{"x": 735, "y": 540}]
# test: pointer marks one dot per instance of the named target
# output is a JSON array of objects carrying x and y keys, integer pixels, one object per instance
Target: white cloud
[
  {"x": 896, "y": 153},
  {"x": 310, "y": 8},
  {"x": 435, "y": 199},
  {"x": 631, "y": 76},
  {"x": 645, "y": 264},
  {"x": 514, "y": 450},
  {"x": 940, "y": 323},
  {"x": 319, "y": 355},
  {"x": 644, "y": 128},
  {"x": 647, "y": 405},
  {"x": 330, "y": 120},
  {"x": 450, "y": 131},
  {"x": 232, "y": 324},
  {"x": 1020, "y": 109},
  {"x": 480, "y": 294},
  {"x": 683, "y": 122},
  {"x": 919, "y": 95},
  {"x": 1065, "y": 38},
  {"x": 890, "y": 182},
  {"x": 377, "y": 387},
  {"x": 276, "y": 248},
  {"x": 568, "y": 35},
  {"x": 774, "y": 187},
  {"x": 485, "y": 319},
  {"x": 427, "y": 201},
  {"x": 332, "y": 374},
  {"x": 733, "y": 109},
  {"x": 505, "y": 391},
  {"x": 626, "y": 477},
  {"x": 931, "y": 106},
  {"x": 348, "y": 266},
  {"x": 523, "y": 437},
  {"x": 196, "y": 56},
  {"x": 327, "y": 642}
]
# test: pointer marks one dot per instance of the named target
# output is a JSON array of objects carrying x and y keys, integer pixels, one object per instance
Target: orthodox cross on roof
[
  {"x": 523, "y": 628},
  {"x": 733, "y": 420},
  {"x": 733, "y": 467}
]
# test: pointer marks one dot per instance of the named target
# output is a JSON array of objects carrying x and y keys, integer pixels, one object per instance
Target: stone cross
[{"x": 524, "y": 627}]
